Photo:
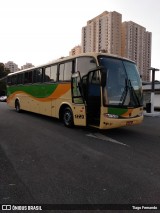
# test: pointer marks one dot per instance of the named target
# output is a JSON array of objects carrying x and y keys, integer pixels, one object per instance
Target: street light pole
[{"x": 153, "y": 88}]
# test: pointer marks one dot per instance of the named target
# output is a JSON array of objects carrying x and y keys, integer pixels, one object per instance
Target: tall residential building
[
  {"x": 136, "y": 45},
  {"x": 107, "y": 33},
  {"x": 103, "y": 33},
  {"x": 26, "y": 66},
  {"x": 76, "y": 50},
  {"x": 12, "y": 66}
]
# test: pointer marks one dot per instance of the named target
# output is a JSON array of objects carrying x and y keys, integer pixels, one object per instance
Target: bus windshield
[{"x": 122, "y": 83}]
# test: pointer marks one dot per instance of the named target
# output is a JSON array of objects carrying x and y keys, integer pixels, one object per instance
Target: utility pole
[{"x": 153, "y": 87}]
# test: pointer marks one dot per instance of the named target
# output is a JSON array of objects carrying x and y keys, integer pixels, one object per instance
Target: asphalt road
[{"x": 41, "y": 161}]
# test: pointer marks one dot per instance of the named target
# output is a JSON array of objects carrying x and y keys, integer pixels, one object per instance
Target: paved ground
[{"x": 45, "y": 163}]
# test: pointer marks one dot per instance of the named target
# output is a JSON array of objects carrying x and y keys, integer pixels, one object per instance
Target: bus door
[
  {"x": 93, "y": 98},
  {"x": 79, "y": 108}
]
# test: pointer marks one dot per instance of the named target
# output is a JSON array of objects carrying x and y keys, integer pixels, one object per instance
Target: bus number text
[{"x": 79, "y": 116}]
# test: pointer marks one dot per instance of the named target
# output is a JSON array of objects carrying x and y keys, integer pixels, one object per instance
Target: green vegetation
[{"x": 3, "y": 73}]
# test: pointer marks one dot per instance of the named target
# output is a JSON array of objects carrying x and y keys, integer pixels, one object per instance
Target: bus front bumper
[{"x": 110, "y": 123}]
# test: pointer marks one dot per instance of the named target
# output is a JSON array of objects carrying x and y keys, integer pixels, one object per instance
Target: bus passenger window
[
  {"x": 84, "y": 64},
  {"x": 53, "y": 75},
  {"x": 20, "y": 78},
  {"x": 14, "y": 80},
  {"x": 9, "y": 80},
  {"x": 65, "y": 71},
  {"x": 47, "y": 74},
  {"x": 26, "y": 77},
  {"x": 30, "y": 77},
  {"x": 37, "y": 76}
]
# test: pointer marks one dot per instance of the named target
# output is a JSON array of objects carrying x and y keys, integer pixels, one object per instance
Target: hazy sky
[{"x": 38, "y": 31}]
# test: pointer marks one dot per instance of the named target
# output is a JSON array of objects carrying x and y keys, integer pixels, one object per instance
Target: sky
[{"x": 39, "y": 31}]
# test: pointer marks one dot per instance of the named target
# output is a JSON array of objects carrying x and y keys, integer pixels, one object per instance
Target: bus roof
[{"x": 92, "y": 54}]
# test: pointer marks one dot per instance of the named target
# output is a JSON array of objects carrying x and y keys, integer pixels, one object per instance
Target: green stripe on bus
[
  {"x": 37, "y": 91},
  {"x": 117, "y": 111}
]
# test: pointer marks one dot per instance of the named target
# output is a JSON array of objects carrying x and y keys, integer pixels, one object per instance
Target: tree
[{"x": 3, "y": 72}]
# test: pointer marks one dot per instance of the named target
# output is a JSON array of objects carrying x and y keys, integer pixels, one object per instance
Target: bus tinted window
[
  {"x": 47, "y": 74},
  {"x": 84, "y": 64},
  {"x": 37, "y": 76},
  {"x": 53, "y": 75},
  {"x": 65, "y": 71},
  {"x": 28, "y": 77},
  {"x": 14, "y": 80},
  {"x": 20, "y": 78},
  {"x": 9, "y": 80}
]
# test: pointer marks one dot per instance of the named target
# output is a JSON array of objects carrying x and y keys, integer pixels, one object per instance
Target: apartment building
[
  {"x": 76, "y": 50},
  {"x": 136, "y": 45},
  {"x": 26, "y": 66},
  {"x": 103, "y": 33},
  {"x": 11, "y": 66},
  {"x": 107, "y": 33}
]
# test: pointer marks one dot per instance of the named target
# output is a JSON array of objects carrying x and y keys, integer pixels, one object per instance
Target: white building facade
[
  {"x": 11, "y": 66},
  {"x": 107, "y": 33},
  {"x": 136, "y": 45},
  {"x": 26, "y": 66},
  {"x": 103, "y": 33},
  {"x": 75, "y": 50}
]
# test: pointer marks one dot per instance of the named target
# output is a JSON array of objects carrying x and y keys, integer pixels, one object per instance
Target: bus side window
[
  {"x": 84, "y": 64},
  {"x": 53, "y": 75},
  {"x": 65, "y": 71},
  {"x": 9, "y": 80},
  {"x": 30, "y": 77},
  {"x": 47, "y": 74},
  {"x": 20, "y": 78},
  {"x": 14, "y": 80},
  {"x": 37, "y": 76},
  {"x": 26, "y": 77},
  {"x": 34, "y": 76}
]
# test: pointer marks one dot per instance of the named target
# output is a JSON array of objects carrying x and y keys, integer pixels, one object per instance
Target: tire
[
  {"x": 68, "y": 117},
  {"x": 17, "y": 106}
]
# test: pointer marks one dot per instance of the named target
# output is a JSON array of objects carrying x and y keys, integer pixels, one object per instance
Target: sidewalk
[{"x": 152, "y": 114}]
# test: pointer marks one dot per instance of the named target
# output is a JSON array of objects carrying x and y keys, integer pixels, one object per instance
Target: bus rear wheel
[
  {"x": 17, "y": 106},
  {"x": 68, "y": 117}
]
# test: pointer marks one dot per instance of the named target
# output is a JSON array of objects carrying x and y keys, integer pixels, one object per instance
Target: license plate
[{"x": 128, "y": 123}]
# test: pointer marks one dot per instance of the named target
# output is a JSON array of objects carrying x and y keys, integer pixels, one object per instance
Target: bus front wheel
[
  {"x": 68, "y": 117},
  {"x": 17, "y": 106}
]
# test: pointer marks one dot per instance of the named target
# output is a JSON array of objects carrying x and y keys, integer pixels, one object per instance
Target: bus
[{"x": 90, "y": 89}]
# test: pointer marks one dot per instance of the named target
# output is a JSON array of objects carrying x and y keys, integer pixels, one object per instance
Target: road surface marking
[{"x": 105, "y": 138}]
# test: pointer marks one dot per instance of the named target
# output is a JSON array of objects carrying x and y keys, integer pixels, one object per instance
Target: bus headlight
[
  {"x": 140, "y": 114},
  {"x": 106, "y": 115}
]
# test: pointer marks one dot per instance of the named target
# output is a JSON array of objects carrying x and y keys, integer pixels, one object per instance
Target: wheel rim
[
  {"x": 17, "y": 106},
  {"x": 67, "y": 117}
]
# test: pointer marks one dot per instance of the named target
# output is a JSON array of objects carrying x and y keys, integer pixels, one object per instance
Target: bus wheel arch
[
  {"x": 66, "y": 115},
  {"x": 17, "y": 105}
]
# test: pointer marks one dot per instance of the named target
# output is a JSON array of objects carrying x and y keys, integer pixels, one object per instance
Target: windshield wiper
[
  {"x": 124, "y": 94},
  {"x": 128, "y": 86},
  {"x": 133, "y": 92}
]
